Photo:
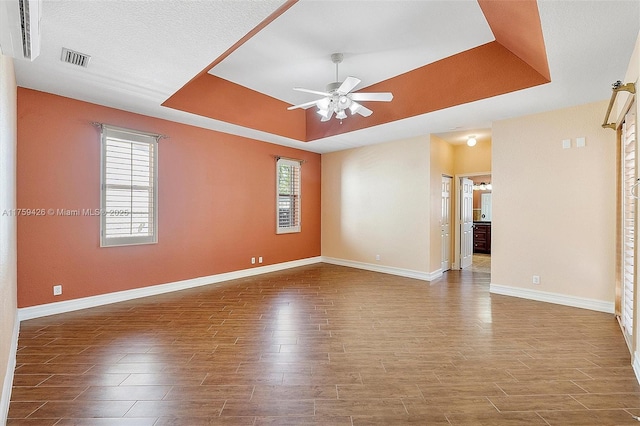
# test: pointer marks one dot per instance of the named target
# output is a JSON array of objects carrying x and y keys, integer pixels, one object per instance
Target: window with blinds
[
  {"x": 629, "y": 176},
  {"x": 129, "y": 191},
  {"x": 288, "y": 196}
]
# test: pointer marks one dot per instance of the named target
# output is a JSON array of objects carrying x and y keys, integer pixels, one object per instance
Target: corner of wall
[
  {"x": 8, "y": 377},
  {"x": 9, "y": 324}
]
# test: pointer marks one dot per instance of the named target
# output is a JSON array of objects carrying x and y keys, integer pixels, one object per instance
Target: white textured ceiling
[
  {"x": 144, "y": 51},
  {"x": 382, "y": 40}
]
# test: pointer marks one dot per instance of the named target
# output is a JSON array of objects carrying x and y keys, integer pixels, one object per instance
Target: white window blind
[
  {"x": 129, "y": 190},
  {"x": 628, "y": 221},
  {"x": 288, "y": 196}
]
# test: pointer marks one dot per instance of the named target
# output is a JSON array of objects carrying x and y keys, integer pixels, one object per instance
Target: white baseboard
[
  {"x": 559, "y": 299},
  {"x": 408, "y": 273},
  {"x": 120, "y": 296},
  {"x": 8, "y": 377},
  {"x": 435, "y": 274}
]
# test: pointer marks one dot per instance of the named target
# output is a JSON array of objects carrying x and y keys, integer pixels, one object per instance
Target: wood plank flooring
[{"x": 326, "y": 345}]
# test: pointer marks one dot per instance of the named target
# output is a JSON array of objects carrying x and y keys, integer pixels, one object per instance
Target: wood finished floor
[{"x": 326, "y": 345}]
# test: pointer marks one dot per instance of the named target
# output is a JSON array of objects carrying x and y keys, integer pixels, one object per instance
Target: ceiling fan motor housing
[{"x": 333, "y": 87}]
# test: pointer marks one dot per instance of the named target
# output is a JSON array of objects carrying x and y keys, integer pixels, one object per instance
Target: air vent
[
  {"x": 76, "y": 58},
  {"x": 25, "y": 25},
  {"x": 20, "y": 23}
]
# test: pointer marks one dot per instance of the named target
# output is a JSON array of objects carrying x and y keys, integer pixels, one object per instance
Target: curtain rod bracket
[
  {"x": 616, "y": 87},
  {"x": 102, "y": 125},
  {"x": 278, "y": 157}
]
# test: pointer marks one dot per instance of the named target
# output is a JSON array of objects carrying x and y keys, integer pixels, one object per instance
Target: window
[
  {"x": 628, "y": 221},
  {"x": 128, "y": 192},
  {"x": 288, "y": 196}
]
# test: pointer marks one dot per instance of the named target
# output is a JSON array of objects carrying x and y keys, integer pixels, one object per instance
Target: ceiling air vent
[
  {"x": 76, "y": 58},
  {"x": 20, "y": 23}
]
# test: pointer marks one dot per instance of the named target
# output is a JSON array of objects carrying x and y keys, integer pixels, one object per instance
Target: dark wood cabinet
[{"x": 482, "y": 237}]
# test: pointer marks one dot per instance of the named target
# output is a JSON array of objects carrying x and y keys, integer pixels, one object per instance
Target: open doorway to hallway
[
  {"x": 465, "y": 228},
  {"x": 481, "y": 263},
  {"x": 482, "y": 220},
  {"x": 473, "y": 221}
]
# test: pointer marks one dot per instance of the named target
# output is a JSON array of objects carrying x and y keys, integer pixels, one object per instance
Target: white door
[
  {"x": 445, "y": 223},
  {"x": 466, "y": 222},
  {"x": 485, "y": 207}
]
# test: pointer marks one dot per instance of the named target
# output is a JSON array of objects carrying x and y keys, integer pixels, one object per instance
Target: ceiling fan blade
[
  {"x": 315, "y": 92},
  {"x": 304, "y": 105},
  {"x": 348, "y": 85},
  {"x": 371, "y": 96},
  {"x": 357, "y": 108}
]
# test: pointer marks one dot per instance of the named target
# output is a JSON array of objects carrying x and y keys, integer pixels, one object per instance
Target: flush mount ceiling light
[
  {"x": 338, "y": 97},
  {"x": 471, "y": 140}
]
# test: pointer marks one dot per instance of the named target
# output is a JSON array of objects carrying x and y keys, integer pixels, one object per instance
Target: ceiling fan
[{"x": 338, "y": 97}]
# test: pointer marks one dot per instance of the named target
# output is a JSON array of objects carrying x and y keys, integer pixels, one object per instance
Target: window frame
[
  {"x": 132, "y": 137},
  {"x": 628, "y": 224},
  {"x": 296, "y": 196}
]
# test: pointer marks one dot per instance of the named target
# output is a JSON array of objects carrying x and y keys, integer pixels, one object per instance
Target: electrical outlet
[
  {"x": 260, "y": 259},
  {"x": 536, "y": 279},
  {"x": 377, "y": 257},
  {"x": 57, "y": 290},
  {"x": 253, "y": 260}
]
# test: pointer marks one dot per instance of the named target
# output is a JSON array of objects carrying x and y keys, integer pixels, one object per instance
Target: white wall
[
  {"x": 375, "y": 201},
  {"x": 554, "y": 209},
  {"x": 8, "y": 309}
]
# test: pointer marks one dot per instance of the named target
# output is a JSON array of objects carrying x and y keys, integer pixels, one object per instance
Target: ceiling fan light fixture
[
  {"x": 339, "y": 97},
  {"x": 323, "y": 112},
  {"x": 323, "y": 103}
]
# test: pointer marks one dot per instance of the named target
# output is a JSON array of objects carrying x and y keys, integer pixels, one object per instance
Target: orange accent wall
[{"x": 216, "y": 195}]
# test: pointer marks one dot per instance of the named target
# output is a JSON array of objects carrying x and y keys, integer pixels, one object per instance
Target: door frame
[
  {"x": 451, "y": 223},
  {"x": 456, "y": 211}
]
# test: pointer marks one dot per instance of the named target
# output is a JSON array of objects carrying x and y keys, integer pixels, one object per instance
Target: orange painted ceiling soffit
[
  {"x": 479, "y": 73},
  {"x": 211, "y": 96},
  {"x": 515, "y": 61},
  {"x": 516, "y": 26}
]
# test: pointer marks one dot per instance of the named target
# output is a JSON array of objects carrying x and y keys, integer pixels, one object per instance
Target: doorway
[
  {"x": 466, "y": 222},
  {"x": 469, "y": 223}
]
